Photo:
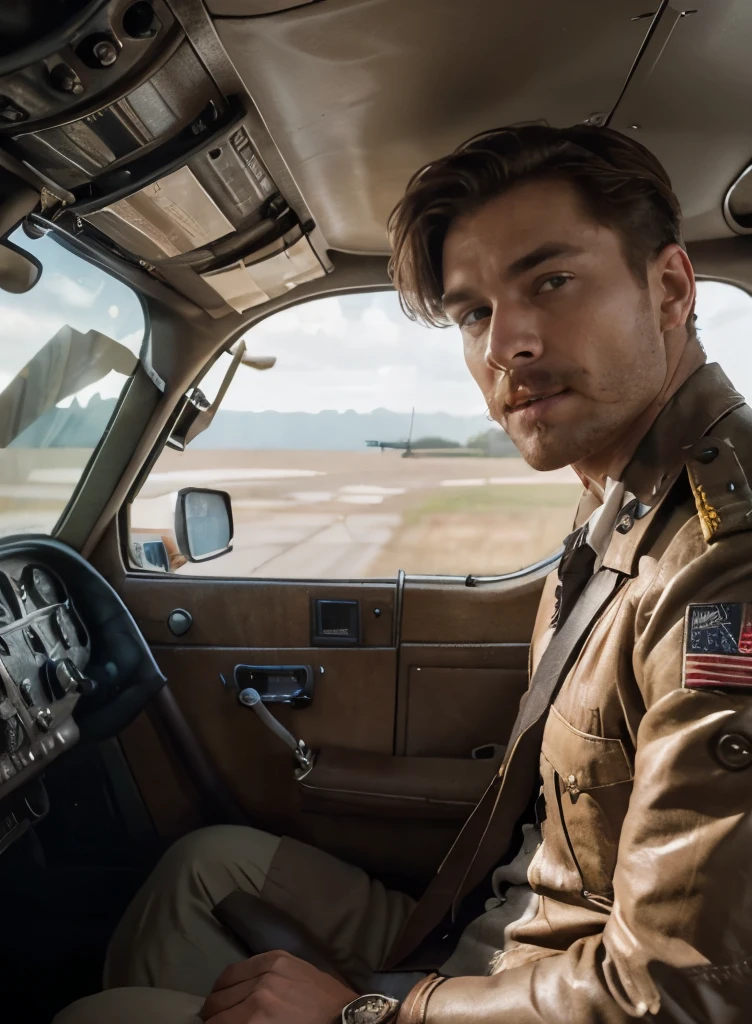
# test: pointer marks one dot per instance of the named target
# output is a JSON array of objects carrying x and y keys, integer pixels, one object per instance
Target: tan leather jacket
[{"x": 647, "y": 842}]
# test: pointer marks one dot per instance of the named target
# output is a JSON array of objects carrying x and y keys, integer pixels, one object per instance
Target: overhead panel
[
  {"x": 357, "y": 94},
  {"x": 124, "y": 116},
  {"x": 685, "y": 104}
]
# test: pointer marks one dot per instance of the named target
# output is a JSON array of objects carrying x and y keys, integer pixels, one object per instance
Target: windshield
[{"x": 67, "y": 350}]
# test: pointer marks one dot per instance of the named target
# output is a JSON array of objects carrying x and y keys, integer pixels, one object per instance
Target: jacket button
[
  {"x": 734, "y": 751},
  {"x": 707, "y": 455},
  {"x": 625, "y": 524}
]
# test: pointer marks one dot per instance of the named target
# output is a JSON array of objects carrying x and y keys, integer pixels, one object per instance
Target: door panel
[
  {"x": 450, "y": 711},
  {"x": 452, "y": 613},
  {"x": 250, "y": 613},
  {"x": 453, "y": 683},
  {"x": 353, "y": 707}
]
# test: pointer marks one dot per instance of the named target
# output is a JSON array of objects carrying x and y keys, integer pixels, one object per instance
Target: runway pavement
[
  {"x": 303, "y": 514},
  {"x": 316, "y": 514}
]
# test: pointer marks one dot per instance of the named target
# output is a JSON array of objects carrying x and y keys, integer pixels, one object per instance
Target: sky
[
  {"x": 73, "y": 292},
  {"x": 351, "y": 352},
  {"x": 361, "y": 352}
]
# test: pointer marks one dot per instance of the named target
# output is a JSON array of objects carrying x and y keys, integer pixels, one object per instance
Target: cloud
[
  {"x": 352, "y": 351},
  {"x": 361, "y": 352},
  {"x": 72, "y": 293}
]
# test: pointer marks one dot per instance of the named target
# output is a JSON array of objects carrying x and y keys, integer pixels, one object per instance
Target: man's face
[{"x": 563, "y": 340}]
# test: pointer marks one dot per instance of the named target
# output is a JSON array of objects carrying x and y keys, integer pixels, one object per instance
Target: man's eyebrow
[
  {"x": 457, "y": 296},
  {"x": 547, "y": 251}
]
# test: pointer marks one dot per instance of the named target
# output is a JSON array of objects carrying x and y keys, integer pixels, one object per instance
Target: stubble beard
[
  {"x": 544, "y": 447},
  {"x": 547, "y": 448}
]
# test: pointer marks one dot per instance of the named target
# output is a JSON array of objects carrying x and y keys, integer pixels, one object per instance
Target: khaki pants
[{"x": 168, "y": 950}]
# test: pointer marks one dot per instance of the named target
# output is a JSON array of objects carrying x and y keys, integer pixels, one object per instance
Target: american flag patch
[{"x": 718, "y": 647}]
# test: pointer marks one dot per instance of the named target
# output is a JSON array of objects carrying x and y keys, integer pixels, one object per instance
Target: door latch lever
[{"x": 305, "y": 757}]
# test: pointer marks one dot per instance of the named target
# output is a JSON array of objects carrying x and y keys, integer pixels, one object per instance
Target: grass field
[{"x": 483, "y": 529}]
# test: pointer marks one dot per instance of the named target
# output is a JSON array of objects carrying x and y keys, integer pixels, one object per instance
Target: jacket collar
[{"x": 704, "y": 399}]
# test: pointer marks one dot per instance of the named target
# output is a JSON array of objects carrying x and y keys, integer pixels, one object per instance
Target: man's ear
[{"x": 676, "y": 280}]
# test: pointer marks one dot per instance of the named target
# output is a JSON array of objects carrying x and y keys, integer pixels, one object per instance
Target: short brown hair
[{"x": 621, "y": 183}]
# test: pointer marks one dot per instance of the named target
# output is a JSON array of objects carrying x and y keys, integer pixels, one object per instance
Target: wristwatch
[{"x": 371, "y": 1009}]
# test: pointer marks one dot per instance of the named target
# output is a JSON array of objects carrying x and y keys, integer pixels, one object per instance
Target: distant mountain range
[{"x": 82, "y": 426}]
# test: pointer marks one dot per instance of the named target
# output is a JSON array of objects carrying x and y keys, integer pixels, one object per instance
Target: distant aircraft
[{"x": 403, "y": 446}]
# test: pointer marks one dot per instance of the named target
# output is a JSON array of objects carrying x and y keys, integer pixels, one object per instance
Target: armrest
[{"x": 355, "y": 781}]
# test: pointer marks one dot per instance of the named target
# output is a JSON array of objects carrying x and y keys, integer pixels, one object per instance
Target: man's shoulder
[{"x": 719, "y": 467}]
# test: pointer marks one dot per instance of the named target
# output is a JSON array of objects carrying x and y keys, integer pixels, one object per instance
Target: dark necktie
[{"x": 575, "y": 569}]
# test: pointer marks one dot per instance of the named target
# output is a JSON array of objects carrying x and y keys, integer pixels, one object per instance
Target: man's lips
[{"x": 518, "y": 402}]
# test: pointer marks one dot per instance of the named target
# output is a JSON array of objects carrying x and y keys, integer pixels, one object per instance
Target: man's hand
[{"x": 276, "y": 988}]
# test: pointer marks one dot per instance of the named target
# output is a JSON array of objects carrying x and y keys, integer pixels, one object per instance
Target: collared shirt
[{"x": 602, "y": 520}]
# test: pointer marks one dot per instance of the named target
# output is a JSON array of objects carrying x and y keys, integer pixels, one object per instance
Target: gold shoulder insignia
[
  {"x": 722, "y": 494},
  {"x": 709, "y": 518}
]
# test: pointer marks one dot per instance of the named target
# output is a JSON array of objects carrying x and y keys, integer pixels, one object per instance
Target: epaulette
[{"x": 719, "y": 484}]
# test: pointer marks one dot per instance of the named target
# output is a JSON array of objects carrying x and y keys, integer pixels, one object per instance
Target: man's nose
[{"x": 512, "y": 341}]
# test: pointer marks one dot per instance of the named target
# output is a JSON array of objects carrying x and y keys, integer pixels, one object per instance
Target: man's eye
[
  {"x": 475, "y": 316},
  {"x": 554, "y": 282}
]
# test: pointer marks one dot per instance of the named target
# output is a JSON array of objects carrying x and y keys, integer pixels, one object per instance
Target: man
[{"x": 559, "y": 255}]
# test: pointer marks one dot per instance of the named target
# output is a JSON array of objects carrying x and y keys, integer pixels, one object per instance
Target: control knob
[{"x": 64, "y": 677}]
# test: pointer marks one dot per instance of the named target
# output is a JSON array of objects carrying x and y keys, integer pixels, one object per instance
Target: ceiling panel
[
  {"x": 357, "y": 94},
  {"x": 689, "y": 103}
]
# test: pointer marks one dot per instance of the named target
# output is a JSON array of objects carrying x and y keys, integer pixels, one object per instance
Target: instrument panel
[
  {"x": 44, "y": 651},
  {"x": 73, "y": 666}
]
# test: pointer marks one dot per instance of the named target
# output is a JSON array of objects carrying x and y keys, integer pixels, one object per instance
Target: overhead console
[{"x": 136, "y": 145}]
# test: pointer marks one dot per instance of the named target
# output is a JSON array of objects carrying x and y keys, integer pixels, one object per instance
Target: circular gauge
[{"x": 43, "y": 587}]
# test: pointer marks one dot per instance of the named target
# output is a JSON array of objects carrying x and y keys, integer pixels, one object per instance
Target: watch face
[{"x": 371, "y": 1009}]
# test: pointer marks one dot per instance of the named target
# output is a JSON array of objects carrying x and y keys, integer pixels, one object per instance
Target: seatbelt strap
[
  {"x": 523, "y": 751},
  {"x": 562, "y": 652},
  {"x": 486, "y": 835}
]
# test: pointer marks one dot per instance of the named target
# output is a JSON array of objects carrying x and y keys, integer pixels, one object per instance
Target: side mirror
[
  {"x": 19, "y": 271},
  {"x": 154, "y": 555},
  {"x": 203, "y": 523}
]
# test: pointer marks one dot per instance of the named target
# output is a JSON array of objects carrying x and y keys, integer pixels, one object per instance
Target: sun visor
[{"x": 243, "y": 285}]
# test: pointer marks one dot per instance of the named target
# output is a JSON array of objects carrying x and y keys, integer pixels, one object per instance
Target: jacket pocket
[{"x": 587, "y": 782}]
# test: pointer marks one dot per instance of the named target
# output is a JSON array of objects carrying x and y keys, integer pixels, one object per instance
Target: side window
[
  {"x": 365, "y": 449},
  {"x": 724, "y": 323}
]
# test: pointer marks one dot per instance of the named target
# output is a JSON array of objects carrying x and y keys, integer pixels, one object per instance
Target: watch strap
[{"x": 415, "y": 1005}]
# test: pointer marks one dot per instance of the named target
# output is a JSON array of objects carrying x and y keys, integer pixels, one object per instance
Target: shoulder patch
[
  {"x": 722, "y": 494},
  {"x": 718, "y": 647}
]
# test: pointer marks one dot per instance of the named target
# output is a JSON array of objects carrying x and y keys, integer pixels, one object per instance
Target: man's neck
[{"x": 612, "y": 460}]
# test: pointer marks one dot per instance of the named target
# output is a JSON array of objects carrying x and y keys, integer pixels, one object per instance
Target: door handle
[
  {"x": 277, "y": 684},
  {"x": 250, "y": 698}
]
